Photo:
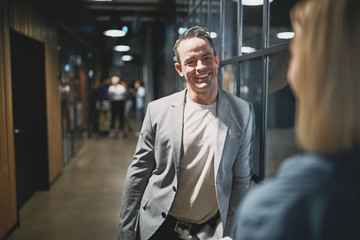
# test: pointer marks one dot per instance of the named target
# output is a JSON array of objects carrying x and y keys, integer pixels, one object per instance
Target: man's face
[
  {"x": 136, "y": 85},
  {"x": 198, "y": 65}
]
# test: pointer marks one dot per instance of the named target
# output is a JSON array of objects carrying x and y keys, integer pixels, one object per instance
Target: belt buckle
[{"x": 182, "y": 226}]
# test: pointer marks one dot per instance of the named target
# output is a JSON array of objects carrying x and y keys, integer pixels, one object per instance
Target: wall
[
  {"x": 8, "y": 212},
  {"x": 25, "y": 18}
]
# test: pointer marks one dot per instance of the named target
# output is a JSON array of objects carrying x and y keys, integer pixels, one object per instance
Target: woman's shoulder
[
  {"x": 307, "y": 186},
  {"x": 319, "y": 167},
  {"x": 298, "y": 178},
  {"x": 306, "y": 166},
  {"x": 272, "y": 205}
]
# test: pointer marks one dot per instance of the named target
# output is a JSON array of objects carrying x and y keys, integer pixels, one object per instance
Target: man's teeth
[{"x": 203, "y": 76}]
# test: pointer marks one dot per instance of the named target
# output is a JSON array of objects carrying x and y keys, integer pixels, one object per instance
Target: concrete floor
[{"x": 84, "y": 202}]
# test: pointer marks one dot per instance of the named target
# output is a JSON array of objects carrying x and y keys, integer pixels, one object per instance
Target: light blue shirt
[{"x": 140, "y": 98}]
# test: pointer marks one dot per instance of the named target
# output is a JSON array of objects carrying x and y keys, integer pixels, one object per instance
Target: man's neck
[{"x": 203, "y": 98}]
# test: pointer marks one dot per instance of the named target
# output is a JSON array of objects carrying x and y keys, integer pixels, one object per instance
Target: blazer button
[
  {"x": 174, "y": 188},
  {"x": 163, "y": 215}
]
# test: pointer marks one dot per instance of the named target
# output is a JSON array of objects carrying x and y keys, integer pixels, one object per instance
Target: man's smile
[{"x": 202, "y": 76}]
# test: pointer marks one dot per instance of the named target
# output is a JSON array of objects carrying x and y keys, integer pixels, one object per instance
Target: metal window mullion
[
  {"x": 266, "y": 28},
  {"x": 240, "y": 26},
  {"x": 239, "y": 43},
  {"x": 201, "y": 13},
  {"x": 266, "y": 24},
  {"x": 192, "y": 10},
  {"x": 222, "y": 34},
  {"x": 209, "y": 16}
]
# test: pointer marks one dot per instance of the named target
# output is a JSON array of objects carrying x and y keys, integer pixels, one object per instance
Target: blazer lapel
[
  {"x": 177, "y": 114},
  {"x": 224, "y": 113}
]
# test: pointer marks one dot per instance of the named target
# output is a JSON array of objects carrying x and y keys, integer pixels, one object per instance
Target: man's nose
[{"x": 200, "y": 65}]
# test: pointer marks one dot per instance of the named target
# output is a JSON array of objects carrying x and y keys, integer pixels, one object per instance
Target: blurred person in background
[
  {"x": 102, "y": 105},
  {"x": 128, "y": 106},
  {"x": 117, "y": 97},
  {"x": 316, "y": 194},
  {"x": 140, "y": 102}
]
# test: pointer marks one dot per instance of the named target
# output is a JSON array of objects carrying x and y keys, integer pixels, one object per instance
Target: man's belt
[{"x": 179, "y": 226}]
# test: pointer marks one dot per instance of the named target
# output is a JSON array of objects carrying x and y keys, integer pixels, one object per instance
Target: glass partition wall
[{"x": 252, "y": 38}]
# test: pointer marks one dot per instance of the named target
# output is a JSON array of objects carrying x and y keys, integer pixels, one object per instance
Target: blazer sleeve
[{"x": 137, "y": 177}]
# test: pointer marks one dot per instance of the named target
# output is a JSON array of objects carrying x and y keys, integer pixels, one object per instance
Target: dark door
[{"x": 29, "y": 109}]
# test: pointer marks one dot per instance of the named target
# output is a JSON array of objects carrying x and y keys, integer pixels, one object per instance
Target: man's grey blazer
[{"x": 152, "y": 177}]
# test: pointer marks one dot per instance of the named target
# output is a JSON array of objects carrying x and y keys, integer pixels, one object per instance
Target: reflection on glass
[
  {"x": 280, "y": 21},
  {"x": 215, "y": 24},
  {"x": 231, "y": 34},
  {"x": 280, "y": 142},
  {"x": 229, "y": 79},
  {"x": 250, "y": 90},
  {"x": 252, "y": 26},
  {"x": 198, "y": 16},
  {"x": 204, "y": 13},
  {"x": 250, "y": 80}
]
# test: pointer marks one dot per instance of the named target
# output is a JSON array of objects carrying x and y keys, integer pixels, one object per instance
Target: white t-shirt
[
  {"x": 117, "y": 92},
  {"x": 195, "y": 200}
]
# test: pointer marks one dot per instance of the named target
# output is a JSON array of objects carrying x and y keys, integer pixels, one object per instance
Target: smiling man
[{"x": 191, "y": 167}]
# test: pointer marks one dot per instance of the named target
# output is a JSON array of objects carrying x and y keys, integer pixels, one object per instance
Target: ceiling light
[
  {"x": 127, "y": 58},
  {"x": 247, "y": 49},
  {"x": 67, "y": 68},
  {"x": 122, "y": 48},
  {"x": 181, "y": 30},
  {"x": 114, "y": 33},
  {"x": 285, "y": 35},
  {"x": 125, "y": 29},
  {"x": 254, "y": 2},
  {"x": 213, "y": 34}
]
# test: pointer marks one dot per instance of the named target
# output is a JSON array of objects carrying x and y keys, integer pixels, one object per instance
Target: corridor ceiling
[
  {"x": 95, "y": 16},
  {"x": 89, "y": 19}
]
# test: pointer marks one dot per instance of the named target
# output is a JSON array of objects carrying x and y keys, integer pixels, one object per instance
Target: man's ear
[
  {"x": 217, "y": 59},
  {"x": 179, "y": 69}
]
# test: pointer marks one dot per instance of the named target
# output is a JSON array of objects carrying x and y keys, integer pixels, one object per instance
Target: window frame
[{"x": 264, "y": 53}]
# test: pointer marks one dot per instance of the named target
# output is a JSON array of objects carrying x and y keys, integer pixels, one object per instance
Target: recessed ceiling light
[
  {"x": 285, "y": 35},
  {"x": 247, "y": 49},
  {"x": 213, "y": 34},
  {"x": 114, "y": 33},
  {"x": 127, "y": 58},
  {"x": 253, "y": 2},
  {"x": 122, "y": 48},
  {"x": 181, "y": 30}
]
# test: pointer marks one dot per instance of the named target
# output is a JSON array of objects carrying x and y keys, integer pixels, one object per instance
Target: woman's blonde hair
[{"x": 327, "y": 35}]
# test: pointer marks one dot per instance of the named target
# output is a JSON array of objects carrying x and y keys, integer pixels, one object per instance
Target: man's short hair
[{"x": 196, "y": 31}]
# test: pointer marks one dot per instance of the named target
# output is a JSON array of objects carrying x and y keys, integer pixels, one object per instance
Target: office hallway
[{"x": 84, "y": 202}]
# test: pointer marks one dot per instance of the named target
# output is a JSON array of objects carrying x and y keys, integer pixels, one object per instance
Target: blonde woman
[{"x": 316, "y": 195}]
